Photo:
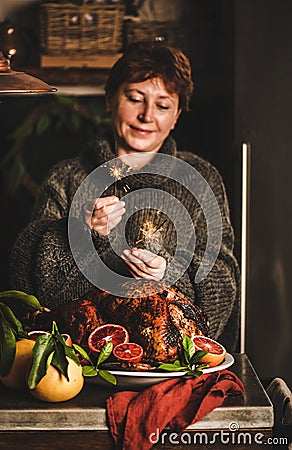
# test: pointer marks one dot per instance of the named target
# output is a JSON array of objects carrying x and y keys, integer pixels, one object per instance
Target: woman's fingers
[
  {"x": 147, "y": 257},
  {"x": 138, "y": 273},
  {"x": 98, "y": 203},
  {"x": 137, "y": 268},
  {"x": 109, "y": 212},
  {"x": 129, "y": 256},
  {"x": 145, "y": 264},
  {"x": 103, "y": 214},
  {"x": 103, "y": 201}
]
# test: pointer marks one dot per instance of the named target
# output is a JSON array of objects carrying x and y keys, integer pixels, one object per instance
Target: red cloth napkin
[{"x": 178, "y": 402}]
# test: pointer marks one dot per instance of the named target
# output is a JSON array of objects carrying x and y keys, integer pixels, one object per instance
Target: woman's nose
[{"x": 146, "y": 113}]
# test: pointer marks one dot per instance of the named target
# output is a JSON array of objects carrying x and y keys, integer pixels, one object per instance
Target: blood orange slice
[
  {"x": 129, "y": 352},
  {"x": 110, "y": 332},
  {"x": 216, "y": 352},
  {"x": 34, "y": 334}
]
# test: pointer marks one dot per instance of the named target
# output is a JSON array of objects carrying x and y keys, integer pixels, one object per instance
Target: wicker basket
[
  {"x": 70, "y": 29},
  {"x": 172, "y": 33}
]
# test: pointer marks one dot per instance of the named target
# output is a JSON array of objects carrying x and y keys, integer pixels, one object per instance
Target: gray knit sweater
[{"x": 42, "y": 261}]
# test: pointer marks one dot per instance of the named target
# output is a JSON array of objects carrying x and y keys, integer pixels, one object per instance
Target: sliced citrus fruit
[
  {"x": 34, "y": 334},
  {"x": 128, "y": 352},
  {"x": 110, "y": 332},
  {"x": 216, "y": 352}
]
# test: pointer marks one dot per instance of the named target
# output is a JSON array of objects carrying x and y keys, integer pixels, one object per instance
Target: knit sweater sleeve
[
  {"x": 217, "y": 293},
  {"x": 41, "y": 260}
]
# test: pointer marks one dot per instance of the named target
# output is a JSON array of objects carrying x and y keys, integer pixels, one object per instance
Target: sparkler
[
  {"x": 119, "y": 172},
  {"x": 151, "y": 235}
]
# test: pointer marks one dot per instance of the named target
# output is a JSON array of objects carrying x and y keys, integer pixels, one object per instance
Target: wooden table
[{"x": 28, "y": 424}]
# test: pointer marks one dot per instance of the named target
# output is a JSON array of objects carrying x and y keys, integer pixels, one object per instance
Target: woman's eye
[
  {"x": 163, "y": 107},
  {"x": 134, "y": 99}
]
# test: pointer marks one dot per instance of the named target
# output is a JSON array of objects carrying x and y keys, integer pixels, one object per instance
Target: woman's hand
[
  {"x": 144, "y": 264},
  {"x": 103, "y": 214}
]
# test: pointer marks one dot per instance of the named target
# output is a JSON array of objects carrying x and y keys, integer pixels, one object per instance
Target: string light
[{"x": 11, "y": 52}]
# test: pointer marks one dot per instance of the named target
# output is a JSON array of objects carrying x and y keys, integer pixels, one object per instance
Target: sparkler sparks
[
  {"x": 151, "y": 235},
  {"x": 119, "y": 172},
  {"x": 116, "y": 172}
]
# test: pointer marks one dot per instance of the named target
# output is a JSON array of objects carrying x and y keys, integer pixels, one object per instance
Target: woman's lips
[{"x": 140, "y": 130}]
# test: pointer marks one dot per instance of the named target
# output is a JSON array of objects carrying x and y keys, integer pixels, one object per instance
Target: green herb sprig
[
  {"x": 93, "y": 370},
  {"x": 190, "y": 361}
]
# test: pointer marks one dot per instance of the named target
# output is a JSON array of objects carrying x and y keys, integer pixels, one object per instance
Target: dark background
[{"x": 241, "y": 57}]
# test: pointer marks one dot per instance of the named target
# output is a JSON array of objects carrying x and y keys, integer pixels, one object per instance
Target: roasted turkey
[{"x": 156, "y": 316}]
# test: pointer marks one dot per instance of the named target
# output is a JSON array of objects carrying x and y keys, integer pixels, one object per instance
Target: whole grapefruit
[
  {"x": 16, "y": 378},
  {"x": 54, "y": 386}
]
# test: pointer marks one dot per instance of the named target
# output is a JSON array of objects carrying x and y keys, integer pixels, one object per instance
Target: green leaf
[
  {"x": 172, "y": 367},
  {"x": 7, "y": 347},
  {"x": 55, "y": 332},
  {"x": 82, "y": 353},
  {"x": 194, "y": 373},
  {"x": 89, "y": 371},
  {"x": 60, "y": 342},
  {"x": 189, "y": 348},
  {"x": 57, "y": 335},
  {"x": 9, "y": 155},
  {"x": 65, "y": 100},
  {"x": 177, "y": 362},
  {"x": 102, "y": 120},
  {"x": 59, "y": 360},
  {"x": 200, "y": 367},
  {"x": 12, "y": 320},
  {"x": 44, "y": 346},
  {"x": 19, "y": 296},
  {"x": 197, "y": 356},
  {"x": 110, "y": 365},
  {"x": 105, "y": 353},
  {"x": 107, "y": 376},
  {"x": 15, "y": 175},
  {"x": 69, "y": 351},
  {"x": 42, "y": 124},
  {"x": 49, "y": 360},
  {"x": 24, "y": 130}
]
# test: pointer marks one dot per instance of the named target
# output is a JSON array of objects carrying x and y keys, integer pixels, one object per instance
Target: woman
[{"x": 146, "y": 91}]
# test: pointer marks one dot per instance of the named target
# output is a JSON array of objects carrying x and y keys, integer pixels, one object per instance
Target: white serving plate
[{"x": 132, "y": 379}]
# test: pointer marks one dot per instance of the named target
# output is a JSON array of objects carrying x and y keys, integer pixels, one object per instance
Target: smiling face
[{"x": 143, "y": 115}]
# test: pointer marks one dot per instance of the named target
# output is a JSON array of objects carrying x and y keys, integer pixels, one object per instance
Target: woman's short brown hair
[{"x": 145, "y": 60}]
